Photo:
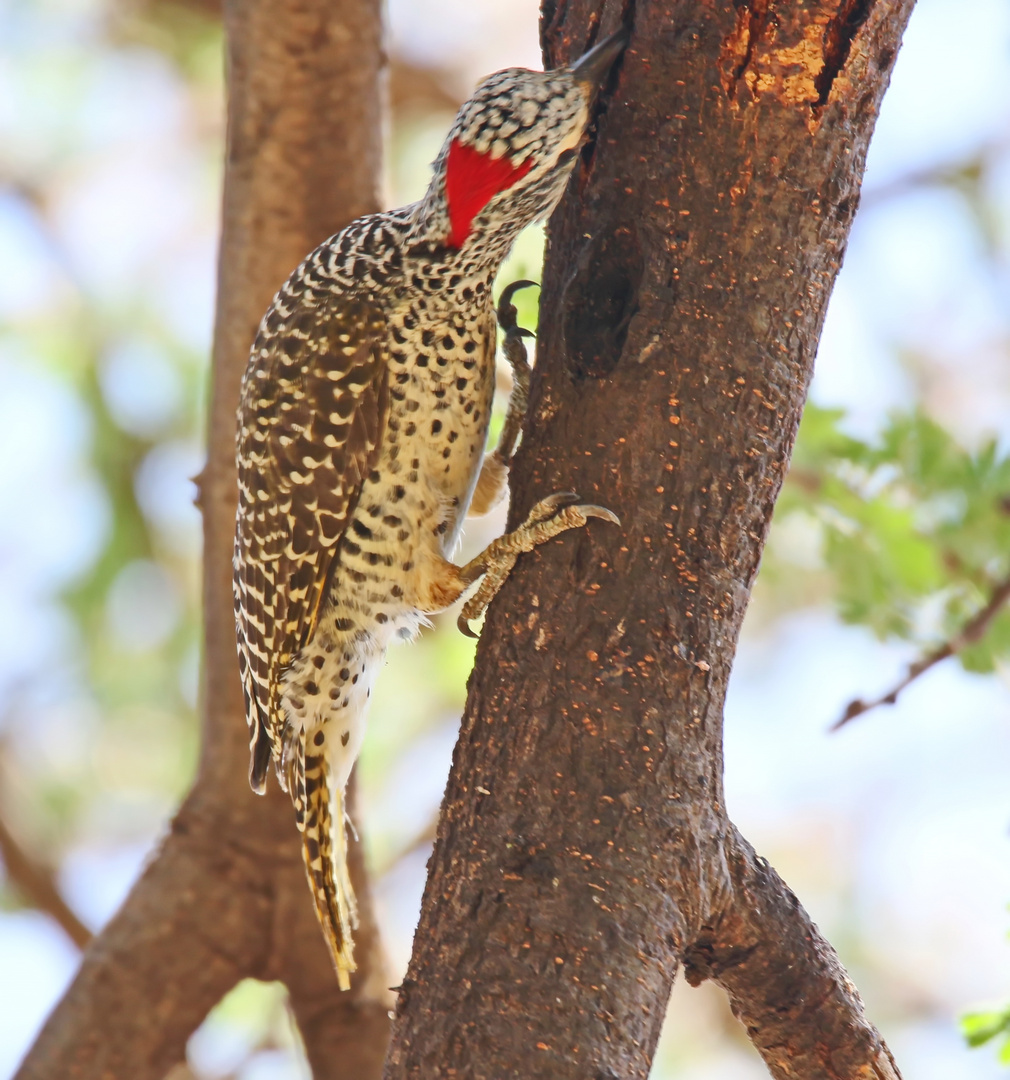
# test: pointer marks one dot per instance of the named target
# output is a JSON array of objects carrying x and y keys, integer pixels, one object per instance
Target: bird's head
[{"x": 513, "y": 146}]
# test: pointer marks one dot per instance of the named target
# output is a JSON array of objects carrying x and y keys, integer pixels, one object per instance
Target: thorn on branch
[{"x": 198, "y": 482}]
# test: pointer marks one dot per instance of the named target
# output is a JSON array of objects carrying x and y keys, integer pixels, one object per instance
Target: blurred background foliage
[
  {"x": 914, "y": 530},
  {"x": 890, "y": 548}
]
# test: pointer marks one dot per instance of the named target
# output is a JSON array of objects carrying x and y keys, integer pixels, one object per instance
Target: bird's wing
[{"x": 311, "y": 421}]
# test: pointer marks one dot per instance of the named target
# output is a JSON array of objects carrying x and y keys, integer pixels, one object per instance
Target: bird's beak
[{"x": 591, "y": 71}]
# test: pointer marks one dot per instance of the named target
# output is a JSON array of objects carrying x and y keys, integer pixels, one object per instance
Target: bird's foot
[
  {"x": 515, "y": 353},
  {"x": 551, "y": 516}
]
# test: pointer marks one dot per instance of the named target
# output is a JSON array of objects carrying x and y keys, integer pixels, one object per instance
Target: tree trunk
[
  {"x": 225, "y": 897},
  {"x": 584, "y": 850}
]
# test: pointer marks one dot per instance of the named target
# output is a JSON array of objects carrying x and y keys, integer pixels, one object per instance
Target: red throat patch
[{"x": 472, "y": 180}]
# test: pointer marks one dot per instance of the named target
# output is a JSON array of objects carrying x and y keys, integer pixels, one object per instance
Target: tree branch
[
  {"x": 179, "y": 944},
  {"x": 784, "y": 981},
  {"x": 584, "y": 849},
  {"x": 37, "y": 885},
  {"x": 225, "y": 897},
  {"x": 972, "y": 631},
  {"x": 962, "y": 173}
]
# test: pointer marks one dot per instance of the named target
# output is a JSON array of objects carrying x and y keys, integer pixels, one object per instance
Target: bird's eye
[{"x": 565, "y": 156}]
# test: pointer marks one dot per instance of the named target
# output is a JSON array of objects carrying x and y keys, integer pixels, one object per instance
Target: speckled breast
[{"x": 412, "y": 506}]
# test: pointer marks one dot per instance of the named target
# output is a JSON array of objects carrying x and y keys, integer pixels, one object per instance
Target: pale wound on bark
[{"x": 808, "y": 64}]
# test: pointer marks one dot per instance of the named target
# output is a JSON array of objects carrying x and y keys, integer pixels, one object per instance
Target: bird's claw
[
  {"x": 555, "y": 514},
  {"x": 560, "y": 500},
  {"x": 601, "y": 512},
  {"x": 507, "y": 310},
  {"x": 555, "y": 504},
  {"x": 556, "y": 501}
]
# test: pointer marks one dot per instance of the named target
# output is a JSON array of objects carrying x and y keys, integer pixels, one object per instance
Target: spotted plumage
[{"x": 362, "y": 426}]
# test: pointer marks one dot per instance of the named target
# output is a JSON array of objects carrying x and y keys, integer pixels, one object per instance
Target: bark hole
[
  {"x": 599, "y": 301},
  {"x": 751, "y": 19},
  {"x": 838, "y": 38}
]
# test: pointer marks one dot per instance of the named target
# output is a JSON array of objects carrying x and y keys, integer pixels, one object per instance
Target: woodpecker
[{"x": 361, "y": 432}]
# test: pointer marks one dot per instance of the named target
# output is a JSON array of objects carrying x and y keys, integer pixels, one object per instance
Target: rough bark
[
  {"x": 225, "y": 896},
  {"x": 584, "y": 851}
]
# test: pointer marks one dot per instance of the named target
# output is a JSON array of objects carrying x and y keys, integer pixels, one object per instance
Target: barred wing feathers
[{"x": 311, "y": 421}]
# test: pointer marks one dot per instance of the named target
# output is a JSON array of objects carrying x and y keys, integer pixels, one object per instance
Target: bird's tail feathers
[{"x": 319, "y": 809}]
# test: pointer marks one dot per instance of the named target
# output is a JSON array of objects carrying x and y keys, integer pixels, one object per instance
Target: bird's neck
[{"x": 479, "y": 257}]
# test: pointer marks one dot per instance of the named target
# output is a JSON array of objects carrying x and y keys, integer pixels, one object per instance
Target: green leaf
[
  {"x": 915, "y": 529},
  {"x": 978, "y": 1028}
]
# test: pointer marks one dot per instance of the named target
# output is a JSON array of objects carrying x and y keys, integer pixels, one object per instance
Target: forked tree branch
[
  {"x": 784, "y": 981},
  {"x": 584, "y": 850},
  {"x": 224, "y": 897}
]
